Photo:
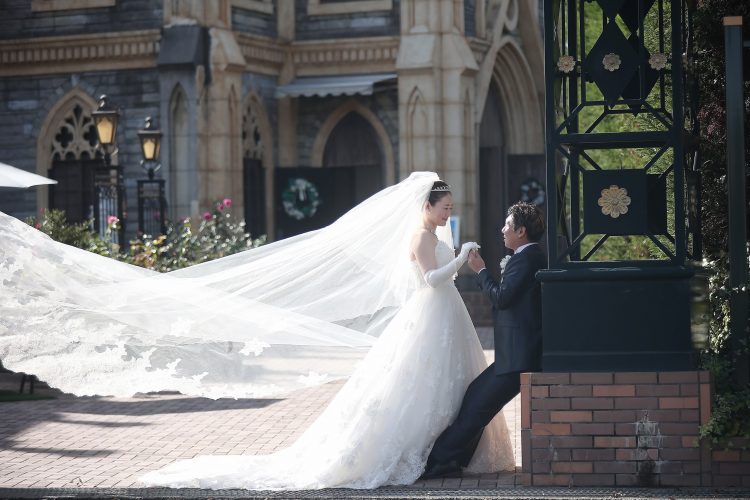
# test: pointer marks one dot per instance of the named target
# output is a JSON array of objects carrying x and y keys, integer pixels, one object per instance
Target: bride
[{"x": 370, "y": 298}]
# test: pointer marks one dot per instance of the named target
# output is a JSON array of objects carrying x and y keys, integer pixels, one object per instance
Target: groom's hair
[{"x": 529, "y": 216}]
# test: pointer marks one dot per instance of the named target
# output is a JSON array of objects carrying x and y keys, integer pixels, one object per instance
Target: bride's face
[{"x": 439, "y": 213}]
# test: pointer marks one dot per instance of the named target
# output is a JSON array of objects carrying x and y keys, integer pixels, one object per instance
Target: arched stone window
[
  {"x": 252, "y": 140},
  {"x": 76, "y": 136},
  {"x": 67, "y": 152}
]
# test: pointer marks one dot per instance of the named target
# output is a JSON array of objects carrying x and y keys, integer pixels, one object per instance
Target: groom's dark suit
[{"x": 517, "y": 305}]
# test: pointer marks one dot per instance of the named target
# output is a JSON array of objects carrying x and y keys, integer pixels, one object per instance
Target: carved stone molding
[
  {"x": 50, "y": 5},
  {"x": 318, "y": 8},
  {"x": 374, "y": 54},
  {"x": 264, "y": 6},
  {"x": 479, "y": 48},
  {"x": 262, "y": 55},
  {"x": 78, "y": 53},
  {"x": 139, "y": 49}
]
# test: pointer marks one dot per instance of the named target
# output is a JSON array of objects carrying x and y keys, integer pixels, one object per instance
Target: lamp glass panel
[
  {"x": 150, "y": 148},
  {"x": 105, "y": 127}
]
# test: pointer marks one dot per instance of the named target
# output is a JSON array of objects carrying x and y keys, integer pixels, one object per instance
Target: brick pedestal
[{"x": 615, "y": 429}]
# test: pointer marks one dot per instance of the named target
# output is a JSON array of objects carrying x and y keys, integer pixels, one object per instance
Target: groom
[{"x": 516, "y": 303}]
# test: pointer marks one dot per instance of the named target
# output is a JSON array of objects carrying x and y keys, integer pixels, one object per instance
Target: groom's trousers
[{"x": 484, "y": 398}]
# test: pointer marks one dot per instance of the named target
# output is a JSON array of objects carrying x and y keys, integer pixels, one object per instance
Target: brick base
[
  {"x": 622, "y": 429},
  {"x": 730, "y": 463}
]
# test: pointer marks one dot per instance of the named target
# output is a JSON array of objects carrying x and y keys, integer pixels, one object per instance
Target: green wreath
[
  {"x": 300, "y": 198},
  {"x": 532, "y": 191}
]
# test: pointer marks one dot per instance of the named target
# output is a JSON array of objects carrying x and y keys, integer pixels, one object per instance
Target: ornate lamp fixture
[
  {"x": 106, "y": 118},
  {"x": 150, "y": 138}
]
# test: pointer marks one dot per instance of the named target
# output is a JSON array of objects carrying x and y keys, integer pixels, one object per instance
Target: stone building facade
[{"x": 252, "y": 94}]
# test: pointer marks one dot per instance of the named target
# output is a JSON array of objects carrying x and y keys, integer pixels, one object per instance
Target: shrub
[
  {"x": 730, "y": 414},
  {"x": 218, "y": 234}
]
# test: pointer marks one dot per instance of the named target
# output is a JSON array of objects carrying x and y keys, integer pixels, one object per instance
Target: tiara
[{"x": 442, "y": 188}]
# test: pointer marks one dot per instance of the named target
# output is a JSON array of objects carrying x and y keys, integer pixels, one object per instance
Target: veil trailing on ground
[{"x": 297, "y": 312}]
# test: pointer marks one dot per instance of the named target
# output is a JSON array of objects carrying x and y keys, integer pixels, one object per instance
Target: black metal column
[
  {"x": 738, "y": 272},
  {"x": 619, "y": 118}
]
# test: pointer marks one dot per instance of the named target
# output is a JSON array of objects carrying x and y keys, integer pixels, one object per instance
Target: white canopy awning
[
  {"x": 333, "y": 85},
  {"x": 17, "y": 178}
]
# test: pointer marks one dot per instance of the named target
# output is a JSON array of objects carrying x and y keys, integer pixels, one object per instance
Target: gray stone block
[
  {"x": 254, "y": 22},
  {"x": 27, "y": 104}
]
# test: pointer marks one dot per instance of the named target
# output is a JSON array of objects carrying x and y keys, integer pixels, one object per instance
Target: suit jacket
[{"x": 517, "y": 307}]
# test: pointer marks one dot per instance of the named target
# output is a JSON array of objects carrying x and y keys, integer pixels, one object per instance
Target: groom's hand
[{"x": 476, "y": 262}]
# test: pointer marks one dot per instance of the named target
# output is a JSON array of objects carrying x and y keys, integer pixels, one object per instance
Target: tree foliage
[{"x": 731, "y": 408}]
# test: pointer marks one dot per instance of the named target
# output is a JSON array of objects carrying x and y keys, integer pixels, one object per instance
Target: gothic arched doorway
[
  {"x": 354, "y": 147},
  {"x": 493, "y": 180},
  {"x": 349, "y": 165}
]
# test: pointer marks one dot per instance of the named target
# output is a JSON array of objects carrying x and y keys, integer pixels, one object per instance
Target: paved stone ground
[
  {"x": 99, "y": 447},
  {"x": 109, "y": 442}
]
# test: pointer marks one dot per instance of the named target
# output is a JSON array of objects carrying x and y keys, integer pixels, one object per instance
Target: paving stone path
[
  {"x": 99, "y": 447},
  {"x": 101, "y": 442}
]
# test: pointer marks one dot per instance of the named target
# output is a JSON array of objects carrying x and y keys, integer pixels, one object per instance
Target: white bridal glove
[{"x": 435, "y": 277}]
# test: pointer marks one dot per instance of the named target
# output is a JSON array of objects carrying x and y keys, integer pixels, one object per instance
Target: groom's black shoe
[{"x": 432, "y": 471}]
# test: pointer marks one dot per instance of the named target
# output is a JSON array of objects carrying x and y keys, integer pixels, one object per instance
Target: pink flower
[
  {"x": 227, "y": 202},
  {"x": 219, "y": 207},
  {"x": 38, "y": 226},
  {"x": 207, "y": 216},
  {"x": 112, "y": 220}
]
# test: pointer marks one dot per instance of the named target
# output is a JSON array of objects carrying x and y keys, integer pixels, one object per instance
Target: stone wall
[
  {"x": 349, "y": 25},
  {"x": 623, "y": 429},
  {"x": 18, "y": 21},
  {"x": 252, "y": 21},
  {"x": 26, "y": 102},
  {"x": 479, "y": 307},
  {"x": 470, "y": 23}
]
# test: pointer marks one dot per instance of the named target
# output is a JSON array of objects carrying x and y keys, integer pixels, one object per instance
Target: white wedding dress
[
  {"x": 380, "y": 427},
  {"x": 340, "y": 302}
]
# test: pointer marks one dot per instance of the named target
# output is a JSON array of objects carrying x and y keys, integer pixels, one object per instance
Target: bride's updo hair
[{"x": 439, "y": 189}]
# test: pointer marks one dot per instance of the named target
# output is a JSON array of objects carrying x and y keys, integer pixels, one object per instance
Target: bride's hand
[{"x": 466, "y": 248}]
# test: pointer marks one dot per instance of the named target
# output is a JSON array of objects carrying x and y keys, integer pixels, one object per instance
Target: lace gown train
[{"x": 379, "y": 428}]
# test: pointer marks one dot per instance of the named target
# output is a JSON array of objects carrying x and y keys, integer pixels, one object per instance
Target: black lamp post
[
  {"x": 109, "y": 195},
  {"x": 152, "y": 203}
]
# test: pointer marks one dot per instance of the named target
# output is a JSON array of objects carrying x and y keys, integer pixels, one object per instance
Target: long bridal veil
[{"x": 296, "y": 312}]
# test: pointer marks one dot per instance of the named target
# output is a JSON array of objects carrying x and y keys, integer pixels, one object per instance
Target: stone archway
[
  {"x": 511, "y": 142},
  {"x": 522, "y": 106},
  {"x": 492, "y": 169},
  {"x": 352, "y": 106}
]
